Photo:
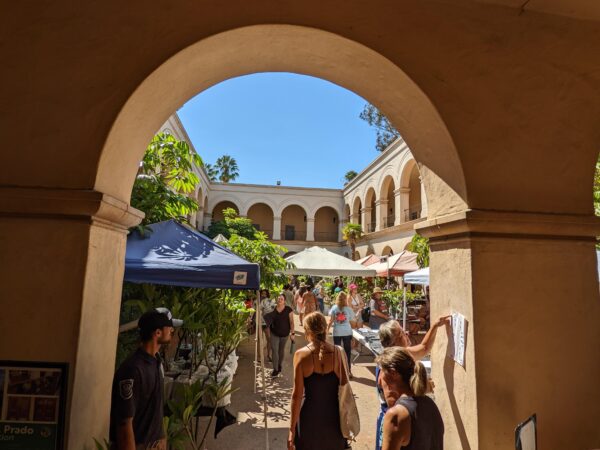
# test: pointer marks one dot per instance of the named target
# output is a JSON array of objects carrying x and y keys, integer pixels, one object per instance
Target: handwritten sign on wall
[{"x": 459, "y": 334}]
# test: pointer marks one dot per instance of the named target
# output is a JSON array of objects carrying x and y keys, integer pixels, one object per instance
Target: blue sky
[{"x": 301, "y": 130}]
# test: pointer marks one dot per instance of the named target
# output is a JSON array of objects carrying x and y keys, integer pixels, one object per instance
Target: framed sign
[
  {"x": 526, "y": 434},
  {"x": 32, "y": 405}
]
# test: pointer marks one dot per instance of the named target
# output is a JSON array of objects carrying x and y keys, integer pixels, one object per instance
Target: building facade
[{"x": 386, "y": 198}]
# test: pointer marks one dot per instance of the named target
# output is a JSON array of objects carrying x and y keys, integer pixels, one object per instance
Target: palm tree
[
  {"x": 228, "y": 168},
  {"x": 350, "y": 175},
  {"x": 211, "y": 171},
  {"x": 352, "y": 232}
]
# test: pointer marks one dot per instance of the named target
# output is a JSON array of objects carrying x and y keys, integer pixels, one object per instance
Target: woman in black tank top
[{"x": 413, "y": 421}]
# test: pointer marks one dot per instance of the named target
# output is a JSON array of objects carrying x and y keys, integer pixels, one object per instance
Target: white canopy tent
[{"x": 321, "y": 262}]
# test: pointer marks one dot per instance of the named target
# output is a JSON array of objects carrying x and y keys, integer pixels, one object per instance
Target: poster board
[
  {"x": 32, "y": 405},
  {"x": 459, "y": 335},
  {"x": 526, "y": 434}
]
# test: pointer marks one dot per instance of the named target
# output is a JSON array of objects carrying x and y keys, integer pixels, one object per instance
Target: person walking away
[
  {"x": 315, "y": 415},
  {"x": 320, "y": 296},
  {"x": 289, "y": 296},
  {"x": 299, "y": 301},
  {"x": 281, "y": 324},
  {"x": 266, "y": 306},
  {"x": 357, "y": 304},
  {"x": 310, "y": 301},
  {"x": 137, "y": 402},
  {"x": 379, "y": 309},
  {"x": 341, "y": 317},
  {"x": 413, "y": 421},
  {"x": 391, "y": 334}
]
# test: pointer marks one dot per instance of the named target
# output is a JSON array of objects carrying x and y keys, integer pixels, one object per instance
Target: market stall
[
  {"x": 318, "y": 261},
  {"x": 395, "y": 265}
]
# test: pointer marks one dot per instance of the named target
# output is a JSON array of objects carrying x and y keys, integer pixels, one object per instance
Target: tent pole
[
  {"x": 256, "y": 344},
  {"x": 262, "y": 368},
  {"x": 404, "y": 309}
]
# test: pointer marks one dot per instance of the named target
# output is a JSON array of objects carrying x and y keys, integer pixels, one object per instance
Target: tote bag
[{"x": 349, "y": 419}]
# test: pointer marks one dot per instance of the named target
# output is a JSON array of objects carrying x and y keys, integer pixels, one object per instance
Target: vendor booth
[{"x": 318, "y": 261}]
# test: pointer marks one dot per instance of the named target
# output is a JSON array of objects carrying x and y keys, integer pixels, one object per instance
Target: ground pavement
[{"x": 249, "y": 434}]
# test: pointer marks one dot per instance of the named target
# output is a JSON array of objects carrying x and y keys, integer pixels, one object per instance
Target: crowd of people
[{"x": 401, "y": 379}]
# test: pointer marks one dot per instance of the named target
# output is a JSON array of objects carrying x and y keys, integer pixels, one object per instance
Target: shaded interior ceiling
[{"x": 580, "y": 9}]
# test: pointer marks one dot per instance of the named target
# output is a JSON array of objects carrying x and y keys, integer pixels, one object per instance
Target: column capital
[
  {"x": 402, "y": 190},
  {"x": 76, "y": 204},
  {"x": 310, "y": 219},
  {"x": 382, "y": 201},
  {"x": 366, "y": 209},
  {"x": 531, "y": 225},
  {"x": 276, "y": 218}
]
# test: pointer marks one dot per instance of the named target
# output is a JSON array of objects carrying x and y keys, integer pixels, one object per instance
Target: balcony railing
[
  {"x": 326, "y": 236},
  {"x": 413, "y": 213},
  {"x": 292, "y": 235},
  {"x": 389, "y": 221}
]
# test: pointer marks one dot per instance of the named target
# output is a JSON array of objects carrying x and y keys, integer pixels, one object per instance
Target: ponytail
[{"x": 418, "y": 381}]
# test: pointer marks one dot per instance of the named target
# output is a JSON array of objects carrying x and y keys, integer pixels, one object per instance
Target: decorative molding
[
  {"x": 72, "y": 204},
  {"x": 475, "y": 222}
]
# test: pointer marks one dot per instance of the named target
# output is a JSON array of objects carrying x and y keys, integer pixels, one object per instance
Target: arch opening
[
  {"x": 217, "y": 212},
  {"x": 262, "y": 216},
  {"x": 293, "y": 223},
  {"x": 326, "y": 225}
]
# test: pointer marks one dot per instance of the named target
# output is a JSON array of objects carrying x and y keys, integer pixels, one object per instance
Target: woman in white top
[{"x": 356, "y": 302}]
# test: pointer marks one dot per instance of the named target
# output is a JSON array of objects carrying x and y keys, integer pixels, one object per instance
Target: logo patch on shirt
[{"x": 126, "y": 389}]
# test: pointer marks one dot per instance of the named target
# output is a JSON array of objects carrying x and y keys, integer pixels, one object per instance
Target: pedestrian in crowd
[
  {"x": 413, "y": 420},
  {"x": 281, "y": 324},
  {"x": 392, "y": 334},
  {"x": 320, "y": 296},
  {"x": 267, "y": 305},
  {"x": 289, "y": 296},
  {"x": 137, "y": 407},
  {"x": 309, "y": 300},
  {"x": 357, "y": 304},
  {"x": 315, "y": 415},
  {"x": 341, "y": 317},
  {"x": 379, "y": 309},
  {"x": 299, "y": 301},
  {"x": 337, "y": 283}
]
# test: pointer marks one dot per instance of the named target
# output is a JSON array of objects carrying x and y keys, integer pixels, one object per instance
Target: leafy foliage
[
  {"x": 351, "y": 233},
  {"x": 394, "y": 299},
  {"x": 165, "y": 180},
  {"x": 228, "y": 168},
  {"x": 420, "y": 246},
  {"x": 232, "y": 224},
  {"x": 212, "y": 172},
  {"x": 597, "y": 188},
  {"x": 263, "y": 252},
  {"x": 386, "y": 133},
  {"x": 349, "y": 176}
]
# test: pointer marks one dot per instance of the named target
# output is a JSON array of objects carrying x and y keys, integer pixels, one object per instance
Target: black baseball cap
[{"x": 158, "y": 318}]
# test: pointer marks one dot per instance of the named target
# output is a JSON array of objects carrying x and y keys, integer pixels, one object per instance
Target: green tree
[
  {"x": 263, "y": 252},
  {"x": 420, "y": 246},
  {"x": 352, "y": 232},
  {"x": 350, "y": 175},
  {"x": 386, "y": 133},
  {"x": 597, "y": 188},
  {"x": 232, "y": 224},
  {"x": 165, "y": 180},
  {"x": 228, "y": 168},
  {"x": 212, "y": 172}
]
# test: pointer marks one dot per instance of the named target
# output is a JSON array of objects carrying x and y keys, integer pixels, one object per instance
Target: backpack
[{"x": 365, "y": 314}]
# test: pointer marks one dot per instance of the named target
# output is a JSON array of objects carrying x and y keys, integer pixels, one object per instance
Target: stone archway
[
  {"x": 262, "y": 215},
  {"x": 217, "y": 211}
]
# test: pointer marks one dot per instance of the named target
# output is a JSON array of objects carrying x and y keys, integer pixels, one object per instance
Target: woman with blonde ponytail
[
  {"x": 315, "y": 415},
  {"x": 413, "y": 421}
]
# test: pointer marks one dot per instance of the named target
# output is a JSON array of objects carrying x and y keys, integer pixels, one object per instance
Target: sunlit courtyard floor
[{"x": 249, "y": 432}]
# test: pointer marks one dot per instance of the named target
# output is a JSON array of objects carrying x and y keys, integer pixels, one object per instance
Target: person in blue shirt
[{"x": 341, "y": 318}]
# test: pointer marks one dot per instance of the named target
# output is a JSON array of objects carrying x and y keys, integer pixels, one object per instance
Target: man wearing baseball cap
[{"x": 136, "y": 416}]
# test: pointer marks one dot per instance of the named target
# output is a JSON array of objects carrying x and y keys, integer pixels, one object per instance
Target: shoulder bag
[{"x": 349, "y": 419}]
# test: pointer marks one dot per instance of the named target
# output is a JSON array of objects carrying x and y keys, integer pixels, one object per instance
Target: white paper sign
[
  {"x": 459, "y": 334},
  {"x": 240, "y": 278}
]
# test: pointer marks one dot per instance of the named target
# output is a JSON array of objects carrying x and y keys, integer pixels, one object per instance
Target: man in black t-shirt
[{"x": 136, "y": 416}]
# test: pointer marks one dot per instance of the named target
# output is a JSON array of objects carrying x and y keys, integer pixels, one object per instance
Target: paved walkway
[{"x": 249, "y": 434}]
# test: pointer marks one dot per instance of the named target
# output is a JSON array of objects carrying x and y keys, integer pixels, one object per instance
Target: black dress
[{"x": 319, "y": 423}]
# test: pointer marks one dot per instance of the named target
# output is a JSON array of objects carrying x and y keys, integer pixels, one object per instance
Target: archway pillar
[
  {"x": 62, "y": 258},
  {"x": 207, "y": 219},
  {"x": 403, "y": 200},
  {"x": 398, "y": 206},
  {"x": 276, "y": 228},
  {"x": 381, "y": 214},
  {"x": 310, "y": 228},
  {"x": 366, "y": 219},
  {"x": 528, "y": 288}
]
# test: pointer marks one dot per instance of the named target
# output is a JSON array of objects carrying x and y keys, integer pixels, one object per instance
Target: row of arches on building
[
  {"x": 293, "y": 224},
  {"x": 391, "y": 203}
]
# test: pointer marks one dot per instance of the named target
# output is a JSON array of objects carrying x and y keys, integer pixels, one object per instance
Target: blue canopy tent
[{"x": 174, "y": 254}]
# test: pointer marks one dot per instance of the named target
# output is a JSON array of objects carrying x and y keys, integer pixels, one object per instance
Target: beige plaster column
[
  {"x": 340, "y": 228},
  {"x": 355, "y": 217},
  {"x": 404, "y": 193},
  {"x": 398, "y": 206},
  {"x": 207, "y": 219},
  {"x": 366, "y": 219},
  {"x": 528, "y": 287},
  {"x": 310, "y": 228},
  {"x": 424, "y": 209},
  {"x": 381, "y": 213},
  {"x": 276, "y": 228},
  {"x": 62, "y": 257}
]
